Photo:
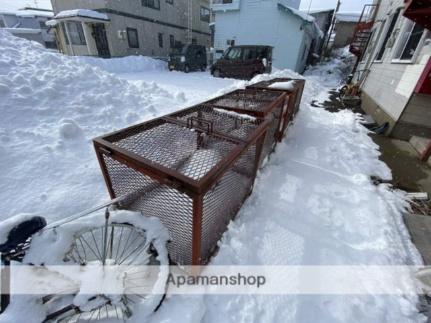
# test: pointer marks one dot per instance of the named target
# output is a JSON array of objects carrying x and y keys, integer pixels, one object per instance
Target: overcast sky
[{"x": 346, "y": 5}]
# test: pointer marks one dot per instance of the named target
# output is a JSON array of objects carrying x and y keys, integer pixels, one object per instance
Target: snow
[
  {"x": 313, "y": 203},
  {"x": 81, "y": 13},
  {"x": 290, "y": 85},
  {"x": 129, "y": 64}
]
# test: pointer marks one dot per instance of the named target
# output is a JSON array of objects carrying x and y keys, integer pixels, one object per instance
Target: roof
[
  {"x": 28, "y": 12},
  {"x": 300, "y": 14},
  {"x": 308, "y": 19},
  {"x": 84, "y": 13},
  {"x": 317, "y": 11},
  {"x": 348, "y": 16}
]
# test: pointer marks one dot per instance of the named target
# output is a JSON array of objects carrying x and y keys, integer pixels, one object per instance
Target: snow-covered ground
[{"x": 314, "y": 203}]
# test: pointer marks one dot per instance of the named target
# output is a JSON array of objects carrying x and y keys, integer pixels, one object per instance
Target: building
[
  {"x": 395, "y": 67},
  {"x": 29, "y": 23},
  {"x": 294, "y": 35},
  {"x": 344, "y": 29},
  {"x": 111, "y": 28},
  {"x": 323, "y": 19}
]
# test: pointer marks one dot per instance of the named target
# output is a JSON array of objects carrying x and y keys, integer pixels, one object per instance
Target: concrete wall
[
  {"x": 344, "y": 33},
  {"x": 389, "y": 86},
  {"x": 262, "y": 23}
]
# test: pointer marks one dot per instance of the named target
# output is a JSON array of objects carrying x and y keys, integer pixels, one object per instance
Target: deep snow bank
[
  {"x": 51, "y": 107},
  {"x": 128, "y": 64}
]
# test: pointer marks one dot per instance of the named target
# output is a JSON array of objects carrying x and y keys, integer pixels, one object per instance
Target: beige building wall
[
  {"x": 388, "y": 90},
  {"x": 171, "y": 19}
]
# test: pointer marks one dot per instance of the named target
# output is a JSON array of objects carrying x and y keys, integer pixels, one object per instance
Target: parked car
[
  {"x": 188, "y": 58},
  {"x": 243, "y": 62}
]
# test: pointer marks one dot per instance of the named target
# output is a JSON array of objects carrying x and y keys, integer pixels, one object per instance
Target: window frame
[
  {"x": 202, "y": 8},
  {"x": 154, "y": 5},
  {"x": 389, "y": 32},
  {"x": 171, "y": 41},
  {"x": 80, "y": 33},
  {"x": 160, "y": 39},
  {"x": 398, "y": 43},
  {"x": 129, "y": 29}
]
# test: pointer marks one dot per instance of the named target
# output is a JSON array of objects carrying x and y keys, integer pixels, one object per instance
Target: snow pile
[
  {"x": 128, "y": 64},
  {"x": 51, "y": 107},
  {"x": 333, "y": 73}
]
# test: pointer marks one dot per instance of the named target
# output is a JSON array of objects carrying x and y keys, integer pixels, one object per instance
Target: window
[
  {"x": 194, "y": 41},
  {"x": 249, "y": 54},
  {"x": 205, "y": 14},
  {"x": 155, "y": 4},
  {"x": 76, "y": 33},
  {"x": 132, "y": 38},
  {"x": 42, "y": 25},
  {"x": 409, "y": 41},
  {"x": 170, "y": 1},
  {"x": 171, "y": 41},
  {"x": 160, "y": 40},
  {"x": 234, "y": 53},
  {"x": 388, "y": 35},
  {"x": 2, "y": 25}
]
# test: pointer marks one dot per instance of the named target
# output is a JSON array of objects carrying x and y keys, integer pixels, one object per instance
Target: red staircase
[
  {"x": 363, "y": 29},
  {"x": 419, "y": 11}
]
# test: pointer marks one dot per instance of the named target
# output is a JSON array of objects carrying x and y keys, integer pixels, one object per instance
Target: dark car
[
  {"x": 243, "y": 62},
  {"x": 188, "y": 58}
]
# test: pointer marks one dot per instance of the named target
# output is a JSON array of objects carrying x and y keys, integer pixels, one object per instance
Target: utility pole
[{"x": 331, "y": 29}]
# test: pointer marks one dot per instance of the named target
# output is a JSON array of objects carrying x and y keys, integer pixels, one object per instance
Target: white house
[
  {"x": 29, "y": 23},
  {"x": 294, "y": 34}
]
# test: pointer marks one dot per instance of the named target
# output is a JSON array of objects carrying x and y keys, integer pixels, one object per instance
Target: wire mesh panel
[
  {"x": 293, "y": 88},
  {"x": 166, "y": 167},
  {"x": 262, "y": 104},
  {"x": 222, "y": 202},
  {"x": 205, "y": 116}
]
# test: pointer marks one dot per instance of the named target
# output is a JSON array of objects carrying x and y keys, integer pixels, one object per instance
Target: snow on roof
[
  {"x": 302, "y": 15},
  {"x": 296, "y": 12},
  {"x": 14, "y": 5},
  {"x": 348, "y": 16},
  {"x": 22, "y": 30},
  {"x": 81, "y": 13},
  {"x": 317, "y": 11},
  {"x": 27, "y": 12}
]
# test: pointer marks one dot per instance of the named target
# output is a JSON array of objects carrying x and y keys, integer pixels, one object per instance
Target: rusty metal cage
[
  {"x": 292, "y": 99},
  {"x": 191, "y": 171},
  {"x": 259, "y": 104}
]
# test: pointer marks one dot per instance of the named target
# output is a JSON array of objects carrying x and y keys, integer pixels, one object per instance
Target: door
[
  {"x": 251, "y": 63},
  {"x": 99, "y": 34},
  {"x": 233, "y": 64}
]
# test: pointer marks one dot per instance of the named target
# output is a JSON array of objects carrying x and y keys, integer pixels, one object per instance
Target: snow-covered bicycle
[{"x": 97, "y": 240}]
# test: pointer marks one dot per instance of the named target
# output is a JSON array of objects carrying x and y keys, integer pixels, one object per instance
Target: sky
[
  {"x": 346, "y": 5},
  {"x": 12, "y": 5}
]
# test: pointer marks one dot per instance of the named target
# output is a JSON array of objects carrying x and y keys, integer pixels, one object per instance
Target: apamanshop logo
[{"x": 216, "y": 280}]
